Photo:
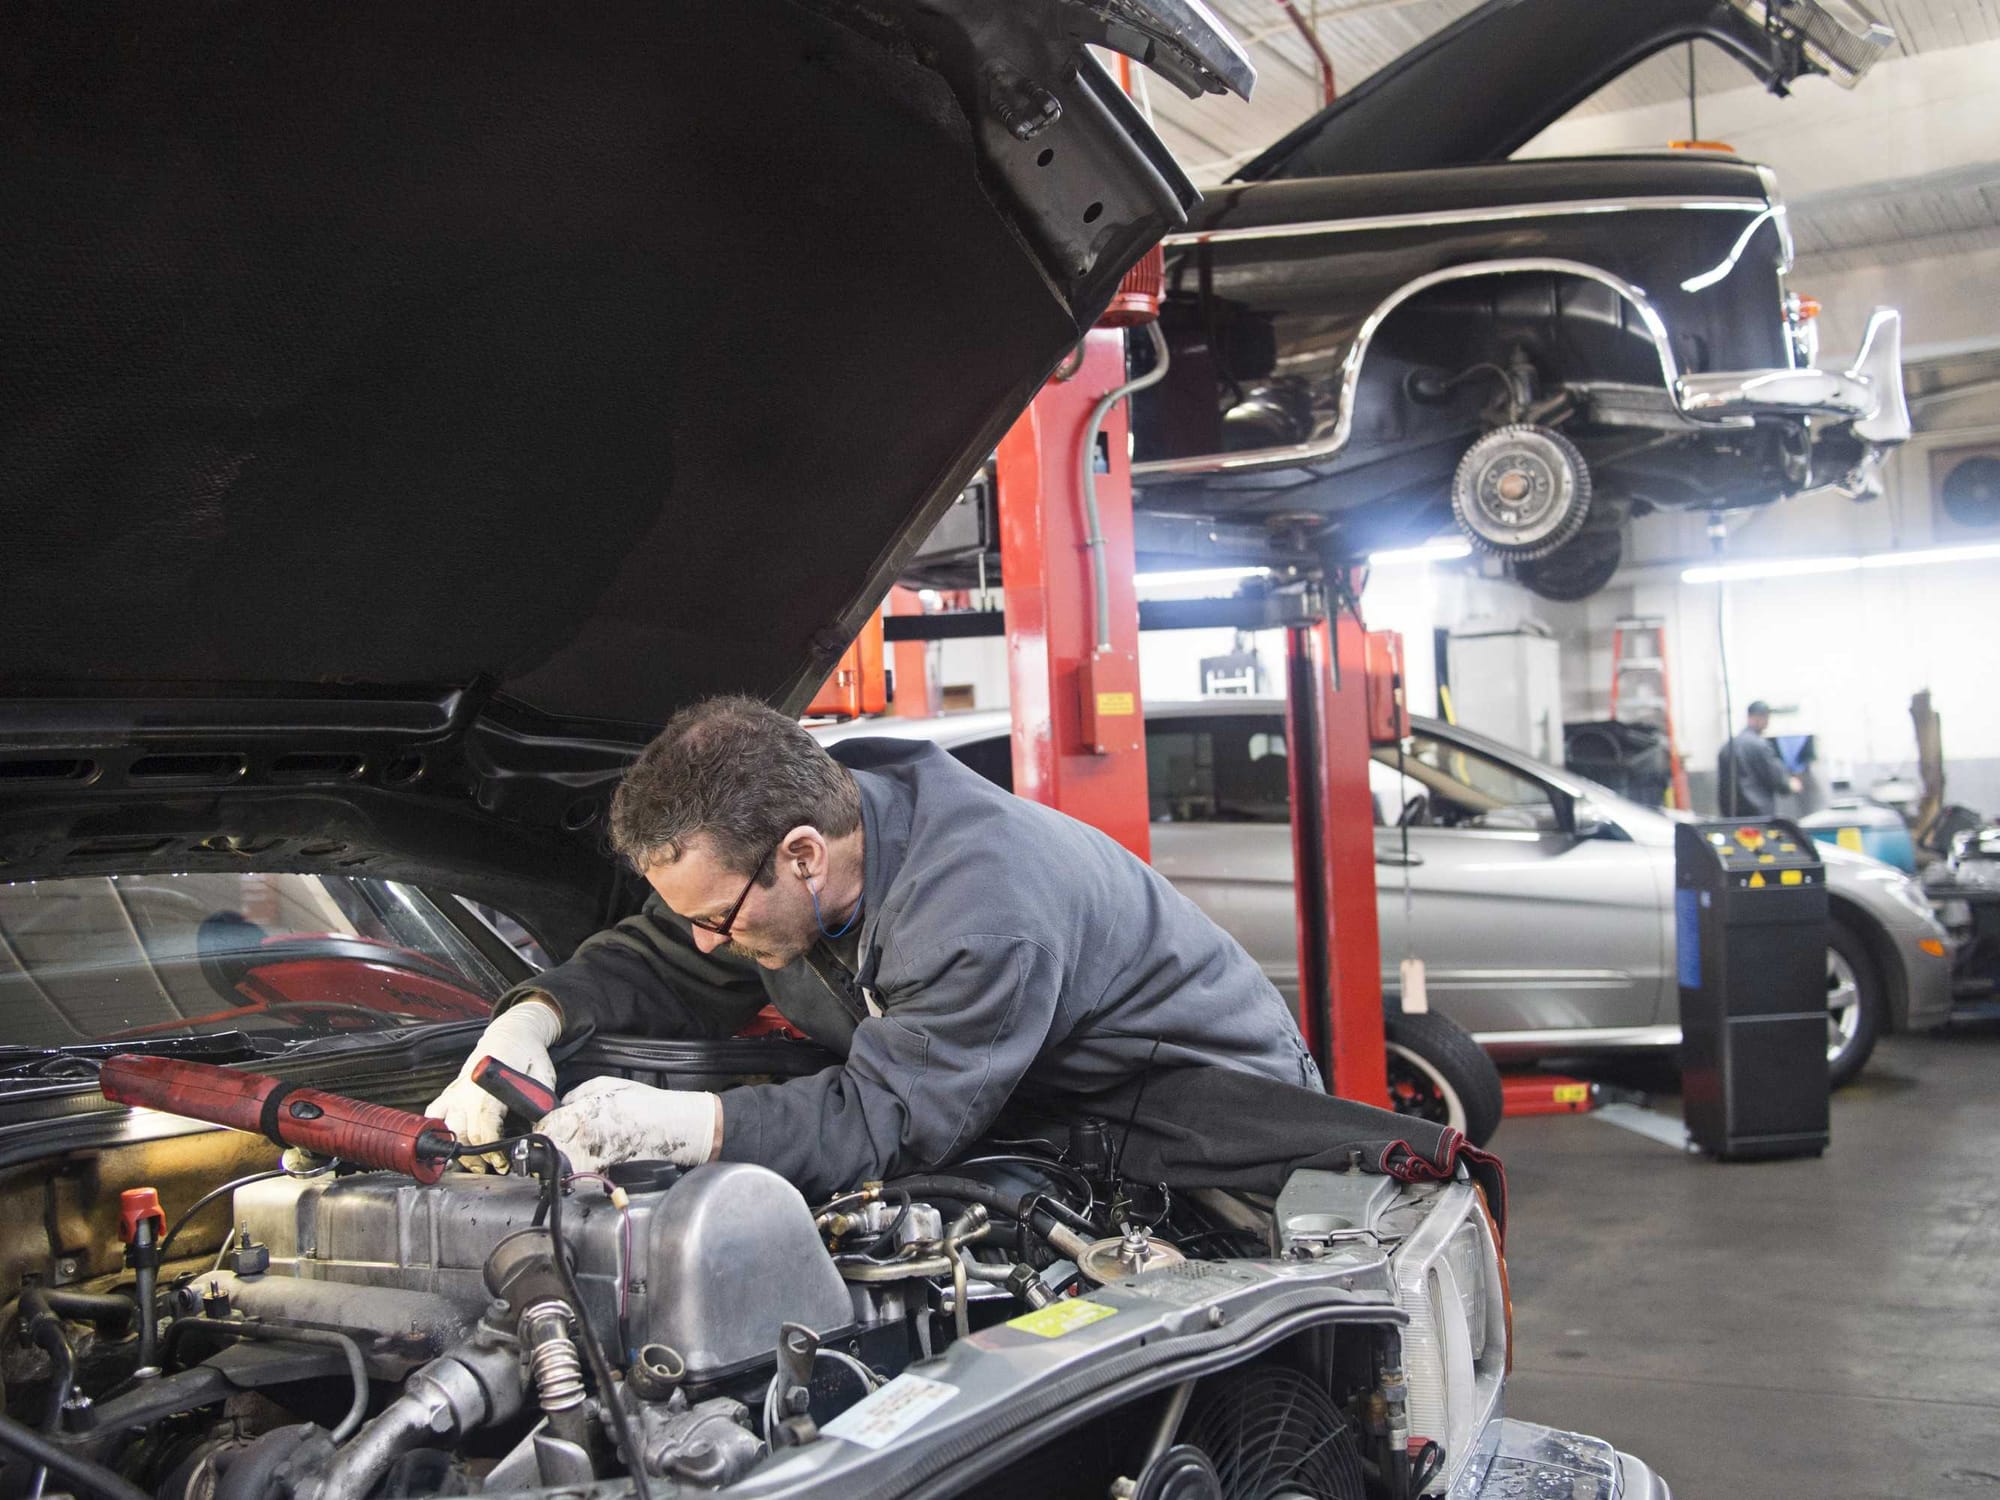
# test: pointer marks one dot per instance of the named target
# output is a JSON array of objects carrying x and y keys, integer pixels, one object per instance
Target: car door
[{"x": 1522, "y": 925}]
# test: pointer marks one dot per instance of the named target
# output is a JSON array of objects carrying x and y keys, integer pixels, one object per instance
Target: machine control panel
[{"x": 1757, "y": 855}]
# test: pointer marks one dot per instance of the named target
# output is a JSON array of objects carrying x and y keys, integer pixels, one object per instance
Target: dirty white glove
[
  {"x": 611, "y": 1120},
  {"x": 520, "y": 1037}
]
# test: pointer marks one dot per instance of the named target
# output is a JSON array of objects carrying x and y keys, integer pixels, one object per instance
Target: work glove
[
  {"x": 520, "y": 1037},
  {"x": 611, "y": 1120}
]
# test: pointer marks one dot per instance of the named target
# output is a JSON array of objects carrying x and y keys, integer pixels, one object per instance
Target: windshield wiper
[{"x": 82, "y": 1060}]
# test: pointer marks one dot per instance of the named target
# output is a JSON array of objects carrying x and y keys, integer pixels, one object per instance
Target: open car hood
[{"x": 409, "y": 406}]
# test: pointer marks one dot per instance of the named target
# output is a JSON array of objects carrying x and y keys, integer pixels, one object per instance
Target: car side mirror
[{"x": 1592, "y": 824}]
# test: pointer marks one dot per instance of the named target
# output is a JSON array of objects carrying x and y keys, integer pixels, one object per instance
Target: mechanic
[
  {"x": 1750, "y": 774},
  {"x": 955, "y": 944}
]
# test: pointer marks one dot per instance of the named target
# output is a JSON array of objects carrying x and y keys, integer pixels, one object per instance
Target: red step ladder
[{"x": 1640, "y": 689}]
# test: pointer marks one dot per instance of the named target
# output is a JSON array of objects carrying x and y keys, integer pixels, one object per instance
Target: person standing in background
[{"x": 1750, "y": 775}]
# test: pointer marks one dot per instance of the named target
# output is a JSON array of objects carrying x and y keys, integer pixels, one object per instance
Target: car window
[
  {"x": 111, "y": 958},
  {"x": 1222, "y": 770},
  {"x": 993, "y": 759},
  {"x": 1463, "y": 788}
]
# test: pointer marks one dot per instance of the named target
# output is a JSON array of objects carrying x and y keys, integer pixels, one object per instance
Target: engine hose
[
  {"x": 357, "y": 1371},
  {"x": 45, "y": 1330},
  {"x": 145, "y": 1293},
  {"x": 109, "y": 1313},
  {"x": 86, "y": 1477},
  {"x": 1031, "y": 1209}
]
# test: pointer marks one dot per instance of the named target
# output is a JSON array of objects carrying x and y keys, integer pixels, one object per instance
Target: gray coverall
[
  {"x": 1003, "y": 948},
  {"x": 1750, "y": 777}
]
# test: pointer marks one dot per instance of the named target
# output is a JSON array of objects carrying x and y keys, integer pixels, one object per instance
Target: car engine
[{"x": 734, "y": 1318}]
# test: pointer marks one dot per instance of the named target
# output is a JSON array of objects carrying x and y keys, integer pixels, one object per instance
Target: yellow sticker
[
  {"x": 1792, "y": 877},
  {"x": 1059, "y": 1318},
  {"x": 1112, "y": 705},
  {"x": 1572, "y": 1093},
  {"x": 1767, "y": 859},
  {"x": 1757, "y": 881},
  {"x": 1849, "y": 838}
]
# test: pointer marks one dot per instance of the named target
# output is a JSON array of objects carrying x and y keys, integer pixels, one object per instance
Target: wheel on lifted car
[
  {"x": 1439, "y": 1073},
  {"x": 1521, "y": 491}
]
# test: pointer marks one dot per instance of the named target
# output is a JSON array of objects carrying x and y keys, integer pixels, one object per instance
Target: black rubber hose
[
  {"x": 45, "y": 1329},
  {"x": 145, "y": 1292},
  {"x": 110, "y": 1313},
  {"x": 1029, "y": 1208},
  {"x": 88, "y": 1478}
]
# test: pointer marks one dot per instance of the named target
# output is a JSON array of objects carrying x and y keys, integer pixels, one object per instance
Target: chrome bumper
[
  {"x": 1523, "y": 1461},
  {"x": 1869, "y": 395}
]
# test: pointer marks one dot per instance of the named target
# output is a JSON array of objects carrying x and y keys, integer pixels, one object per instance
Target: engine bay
[{"x": 364, "y": 1333}]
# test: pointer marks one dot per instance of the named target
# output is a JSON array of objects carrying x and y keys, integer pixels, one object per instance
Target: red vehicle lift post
[
  {"x": 1327, "y": 730},
  {"x": 1078, "y": 732}
]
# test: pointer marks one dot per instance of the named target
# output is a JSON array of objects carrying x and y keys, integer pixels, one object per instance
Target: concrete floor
[{"x": 1819, "y": 1328}]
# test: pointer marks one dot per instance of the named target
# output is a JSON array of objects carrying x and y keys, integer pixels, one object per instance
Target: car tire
[
  {"x": 1857, "y": 1005},
  {"x": 1521, "y": 492},
  {"x": 1439, "y": 1073},
  {"x": 1575, "y": 570}
]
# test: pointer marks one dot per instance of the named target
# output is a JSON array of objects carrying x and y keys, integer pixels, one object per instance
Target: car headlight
[{"x": 1452, "y": 1282}]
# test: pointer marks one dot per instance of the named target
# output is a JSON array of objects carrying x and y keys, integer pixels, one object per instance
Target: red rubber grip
[
  {"x": 368, "y": 1135},
  {"x": 527, "y": 1097}
]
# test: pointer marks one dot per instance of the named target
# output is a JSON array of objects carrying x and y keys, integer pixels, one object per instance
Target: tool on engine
[
  {"x": 523, "y": 1095},
  {"x": 369, "y": 1135}
]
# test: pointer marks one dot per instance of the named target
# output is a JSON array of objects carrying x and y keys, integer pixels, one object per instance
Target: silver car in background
[{"x": 1541, "y": 903}]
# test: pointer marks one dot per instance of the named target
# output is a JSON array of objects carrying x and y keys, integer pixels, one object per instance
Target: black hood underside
[{"x": 466, "y": 386}]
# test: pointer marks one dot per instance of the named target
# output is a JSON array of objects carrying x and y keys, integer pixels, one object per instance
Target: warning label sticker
[
  {"x": 1115, "y": 705},
  {"x": 878, "y": 1420},
  {"x": 1059, "y": 1318}
]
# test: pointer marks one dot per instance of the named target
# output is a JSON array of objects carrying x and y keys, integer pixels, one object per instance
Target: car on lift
[
  {"x": 1542, "y": 904},
  {"x": 1383, "y": 325},
  {"x": 409, "y": 408}
]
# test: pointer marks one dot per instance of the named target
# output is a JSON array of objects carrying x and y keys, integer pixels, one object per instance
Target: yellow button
[
  {"x": 1767, "y": 859},
  {"x": 1792, "y": 877},
  {"x": 1757, "y": 881}
]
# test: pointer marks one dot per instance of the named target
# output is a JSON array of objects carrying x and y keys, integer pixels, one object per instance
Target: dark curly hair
[{"x": 735, "y": 771}]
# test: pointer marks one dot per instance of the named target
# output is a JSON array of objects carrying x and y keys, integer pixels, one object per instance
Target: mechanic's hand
[
  {"x": 611, "y": 1120},
  {"x": 520, "y": 1037}
]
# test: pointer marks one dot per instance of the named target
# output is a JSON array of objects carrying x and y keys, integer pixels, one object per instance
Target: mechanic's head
[
  {"x": 1758, "y": 715},
  {"x": 735, "y": 802}
]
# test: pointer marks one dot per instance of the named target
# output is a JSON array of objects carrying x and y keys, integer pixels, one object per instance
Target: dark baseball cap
[{"x": 1757, "y": 706}]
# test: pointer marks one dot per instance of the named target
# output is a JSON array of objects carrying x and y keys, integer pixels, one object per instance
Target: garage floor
[{"x": 1825, "y": 1328}]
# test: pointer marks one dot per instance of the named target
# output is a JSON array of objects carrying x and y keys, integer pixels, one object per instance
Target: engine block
[{"x": 710, "y": 1266}]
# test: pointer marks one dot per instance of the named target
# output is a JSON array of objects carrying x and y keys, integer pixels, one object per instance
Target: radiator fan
[{"x": 1272, "y": 1434}]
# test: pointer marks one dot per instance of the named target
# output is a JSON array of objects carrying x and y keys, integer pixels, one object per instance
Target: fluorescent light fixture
[
  {"x": 1196, "y": 575},
  {"x": 1798, "y": 567},
  {"x": 1448, "y": 550},
  {"x": 1777, "y": 567},
  {"x": 1972, "y": 552}
]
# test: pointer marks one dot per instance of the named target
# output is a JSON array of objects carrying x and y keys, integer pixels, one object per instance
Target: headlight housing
[{"x": 1451, "y": 1280}]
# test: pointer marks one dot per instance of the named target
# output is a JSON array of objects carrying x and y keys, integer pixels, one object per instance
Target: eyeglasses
[{"x": 722, "y": 928}]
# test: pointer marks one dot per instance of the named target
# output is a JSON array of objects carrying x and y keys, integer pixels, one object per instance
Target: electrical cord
[{"x": 550, "y": 1171}]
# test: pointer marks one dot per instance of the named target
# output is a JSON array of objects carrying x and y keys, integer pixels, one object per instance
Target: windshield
[{"x": 143, "y": 957}]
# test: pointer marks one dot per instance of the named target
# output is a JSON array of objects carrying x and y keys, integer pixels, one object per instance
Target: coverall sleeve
[
  {"x": 921, "y": 1081},
  {"x": 1769, "y": 767},
  {"x": 645, "y": 977}
]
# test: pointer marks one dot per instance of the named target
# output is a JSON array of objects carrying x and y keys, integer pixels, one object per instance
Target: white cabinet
[{"x": 1509, "y": 685}]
